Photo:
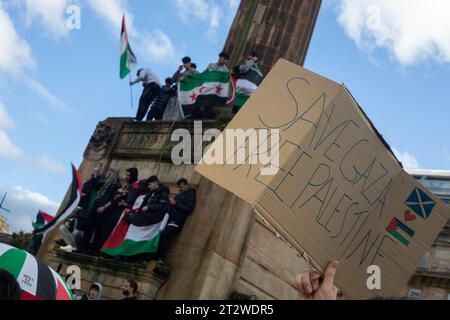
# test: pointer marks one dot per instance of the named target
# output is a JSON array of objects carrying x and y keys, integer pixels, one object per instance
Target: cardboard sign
[{"x": 339, "y": 193}]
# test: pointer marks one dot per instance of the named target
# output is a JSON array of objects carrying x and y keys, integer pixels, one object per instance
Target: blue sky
[{"x": 56, "y": 84}]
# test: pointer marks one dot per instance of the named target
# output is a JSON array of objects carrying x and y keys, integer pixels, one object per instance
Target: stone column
[{"x": 274, "y": 28}]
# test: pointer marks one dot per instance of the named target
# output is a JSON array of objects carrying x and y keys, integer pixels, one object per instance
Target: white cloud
[
  {"x": 407, "y": 159},
  {"x": 206, "y": 11},
  {"x": 157, "y": 47},
  {"x": 6, "y": 122},
  {"x": 48, "y": 164},
  {"x": 215, "y": 17},
  {"x": 7, "y": 148},
  {"x": 411, "y": 30},
  {"x": 51, "y": 14},
  {"x": 44, "y": 93},
  {"x": 16, "y": 58},
  {"x": 111, "y": 12},
  {"x": 24, "y": 205},
  {"x": 15, "y": 53}
]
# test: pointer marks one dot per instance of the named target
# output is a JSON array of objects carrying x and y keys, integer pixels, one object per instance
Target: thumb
[{"x": 330, "y": 273}]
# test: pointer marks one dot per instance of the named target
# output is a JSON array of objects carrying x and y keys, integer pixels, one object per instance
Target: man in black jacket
[
  {"x": 154, "y": 207},
  {"x": 160, "y": 104},
  {"x": 180, "y": 208}
]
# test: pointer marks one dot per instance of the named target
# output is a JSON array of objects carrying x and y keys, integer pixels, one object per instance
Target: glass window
[
  {"x": 438, "y": 186},
  {"x": 425, "y": 260},
  {"x": 415, "y": 293}
]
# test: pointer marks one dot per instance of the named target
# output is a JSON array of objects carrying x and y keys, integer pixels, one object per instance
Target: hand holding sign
[{"x": 312, "y": 287}]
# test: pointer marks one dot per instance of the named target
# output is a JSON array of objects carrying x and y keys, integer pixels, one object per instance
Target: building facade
[
  {"x": 5, "y": 233},
  {"x": 432, "y": 279}
]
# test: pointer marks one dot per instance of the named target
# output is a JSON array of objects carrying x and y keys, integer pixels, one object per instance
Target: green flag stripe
[
  {"x": 13, "y": 261},
  {"x": 197, "y": 80},
  {"x": 124, "y": 71},
  {"x": 37, "y": 226},
  {"x": 241, "y": 99},
  {"x": 131, "y": 248}
]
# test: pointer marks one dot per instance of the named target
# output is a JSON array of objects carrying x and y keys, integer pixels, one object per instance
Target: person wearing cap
[
  {"x": 221, "y": 65},
  {"x": 154, "y": 207},
  {"x": 184, "y": 71}
]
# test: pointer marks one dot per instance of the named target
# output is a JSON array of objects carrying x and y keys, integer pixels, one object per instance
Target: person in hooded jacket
[
  {"x": 102, "y": 203},
  {"x": 124, "y": 199},
  {"x": 181, "y": 208},
  {"x": 89, "y": 192},
  {"x": 94, "y": 294}
]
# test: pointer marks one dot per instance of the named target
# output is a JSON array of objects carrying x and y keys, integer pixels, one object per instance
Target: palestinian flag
[
  {"x": 37, "y": 281},
  {"x": 69, "y": 207},
  {"x": 42, "y": 219},
  {"x": 127, "y": 58},
  {"x": 246, "y": 84},
  {"x": 207, "y": 89},
  {"x": 128, "y": 240}
]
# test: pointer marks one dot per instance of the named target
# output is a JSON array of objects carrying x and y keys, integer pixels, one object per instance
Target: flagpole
[{"x": 131, "y": 91}]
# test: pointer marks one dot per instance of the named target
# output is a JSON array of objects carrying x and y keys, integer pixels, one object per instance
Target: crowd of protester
[
  {"x": 104, "y": 201},
  {"x": 155, "y": 97}
]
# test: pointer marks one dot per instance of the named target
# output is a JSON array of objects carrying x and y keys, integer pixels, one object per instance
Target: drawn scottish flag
[{"x": 421, "y": 203}]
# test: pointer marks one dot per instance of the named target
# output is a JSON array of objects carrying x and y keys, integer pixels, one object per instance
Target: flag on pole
[
  {"x": 127, "y": 58},
  {"x": 69, "y": 207},
  {"x": 42, "y": 219}
]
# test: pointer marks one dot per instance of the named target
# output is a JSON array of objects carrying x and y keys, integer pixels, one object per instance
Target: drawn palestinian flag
[
  {"x": 42, "y": 219},
  {"x": 74, "y": 199},
  {"x": 128, "y": 240},
  {"x": 37, "y": 281},
  {"x": 127, "y": 58},
  {"x": 247, "y": 84},
  {"x": 207, "y": 89}
]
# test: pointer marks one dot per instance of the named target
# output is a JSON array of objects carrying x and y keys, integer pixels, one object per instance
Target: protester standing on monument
[
  {"x": 152, "y": 86},
  {"x": 72, "y": 236},
  {"x": 184, "y": 71},
  {"x": 249, "y": 76},
  {"x": 181, "y": 208},
  {"x": 89, "y": 192},
  {"x": 102, "y": 202},
  {"x": 153, "y": 210},
  {"x": 160, "y": 104},
  {"x": 123, "y": 200},
  {"x": 221, "y": 65},
  {"x": 154, "y": 206}
]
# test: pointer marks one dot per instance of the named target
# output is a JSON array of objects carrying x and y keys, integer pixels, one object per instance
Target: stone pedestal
[{"x": 223, "y": 249}]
